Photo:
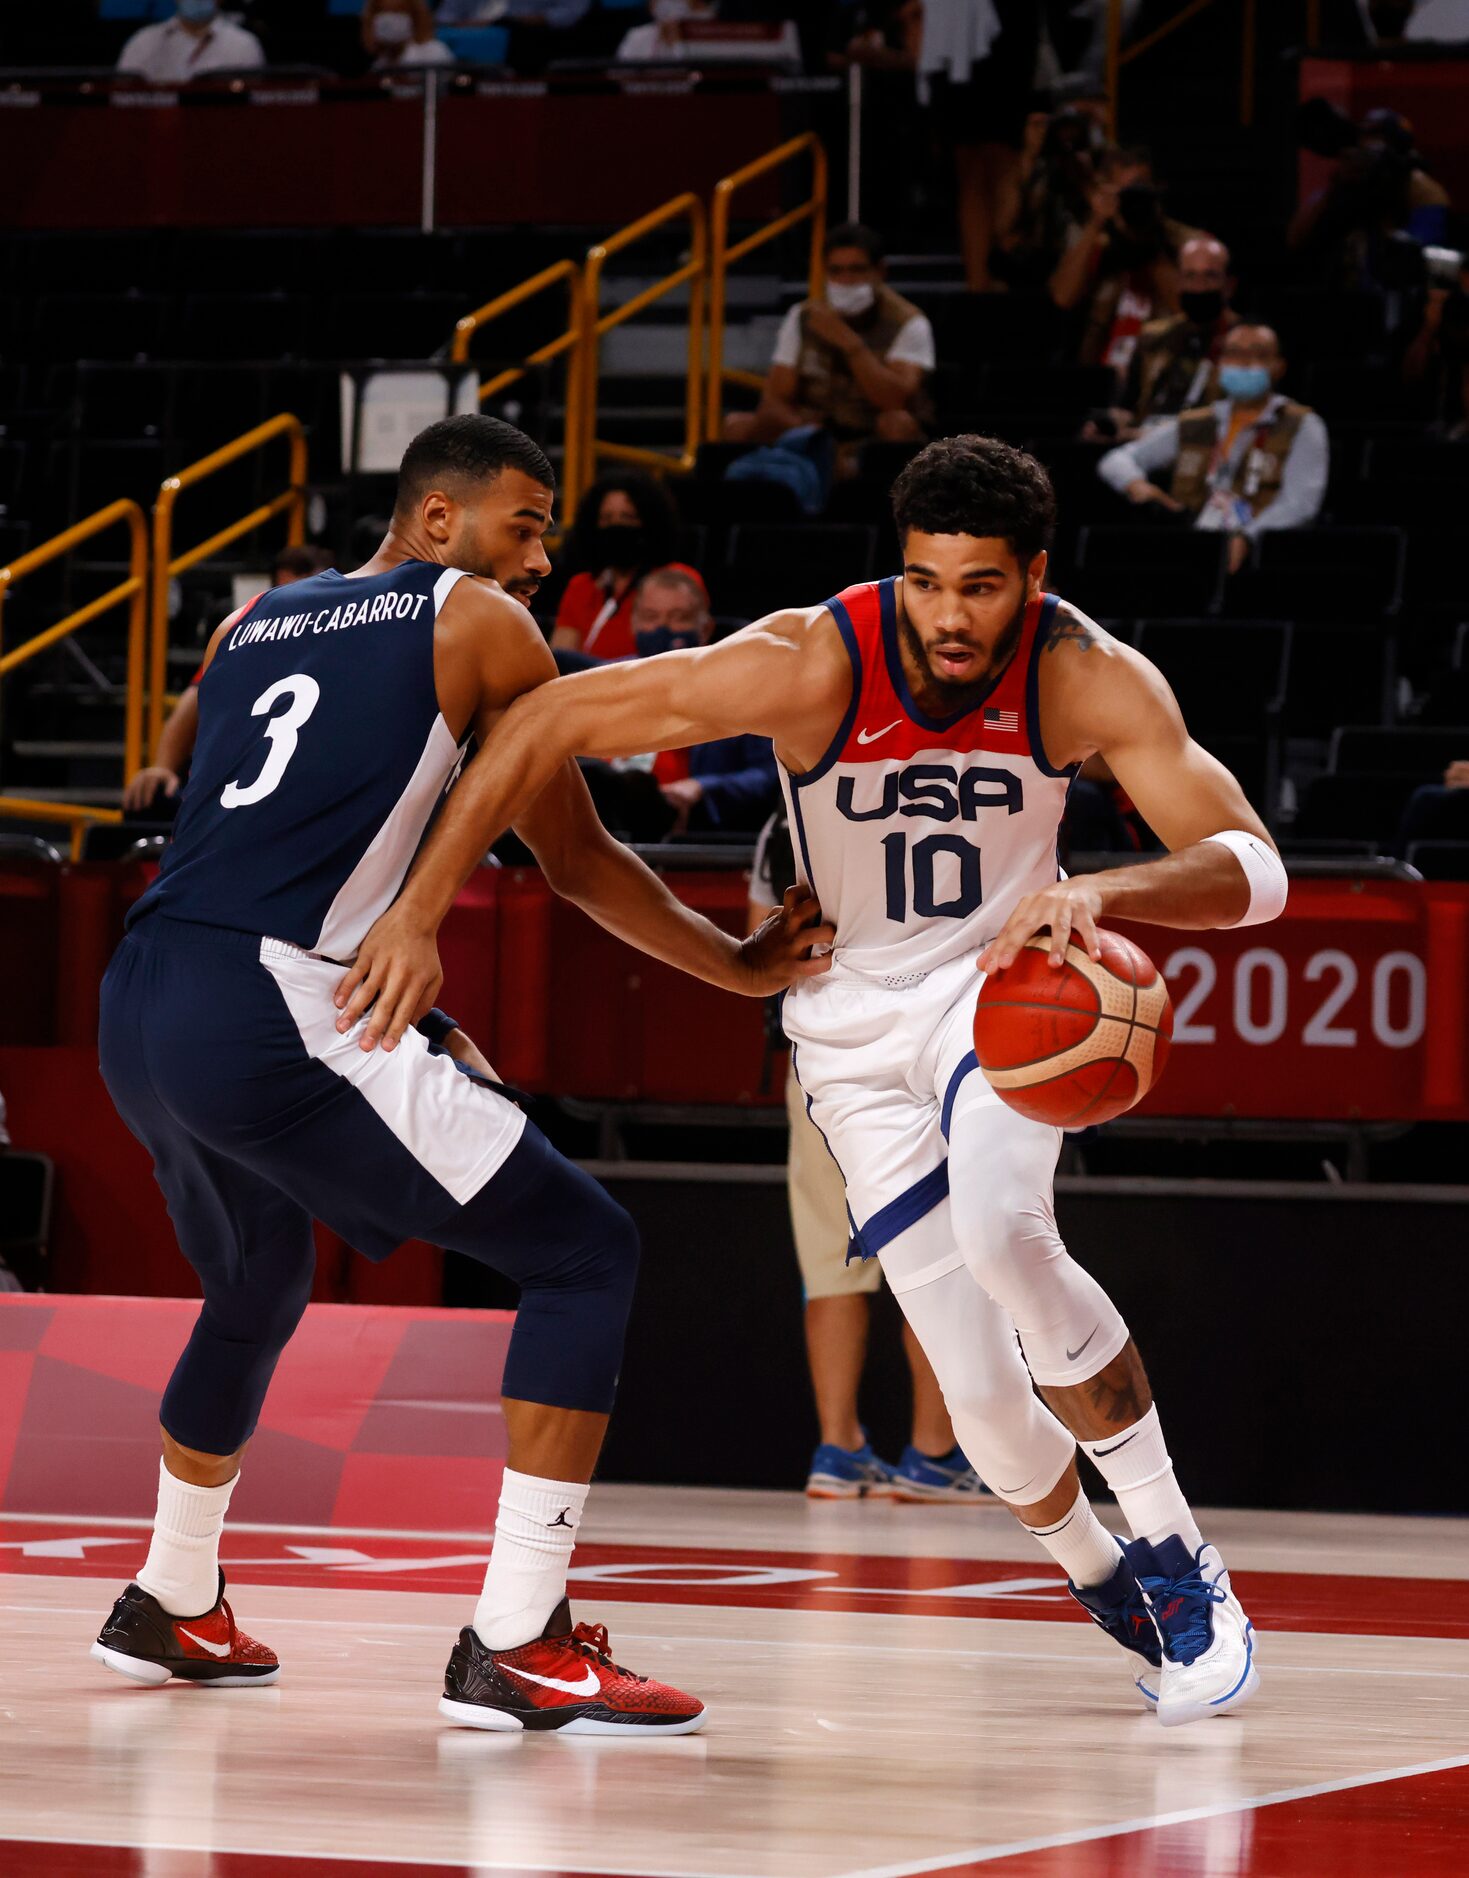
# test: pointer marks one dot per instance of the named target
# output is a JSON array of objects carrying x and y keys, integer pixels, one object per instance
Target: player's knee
[
  {"x": 619, "y": 1252},
  {"x": 1008, "y": 1239}
]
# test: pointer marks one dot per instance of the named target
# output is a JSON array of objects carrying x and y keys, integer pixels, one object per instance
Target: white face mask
[
  {"x": 392, "y": 29},
  {"x": 850, "y": 299}
]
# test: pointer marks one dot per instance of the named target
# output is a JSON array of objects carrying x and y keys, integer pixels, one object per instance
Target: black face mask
[
  {"x": 621, "y": 545},
  {"x": 1203, "y": 307}
]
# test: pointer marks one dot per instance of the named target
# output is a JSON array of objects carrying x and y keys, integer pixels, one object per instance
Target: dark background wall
[{"x": 1299, "y": 1340}]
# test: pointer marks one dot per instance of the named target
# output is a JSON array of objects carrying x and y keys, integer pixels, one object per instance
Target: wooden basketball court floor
[{"x": 892, "y": 1691}]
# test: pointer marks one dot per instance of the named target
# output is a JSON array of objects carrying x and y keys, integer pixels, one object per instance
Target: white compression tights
[
  {"x": 1010, "y": 1437},
  {"x": 1001, "y": 1169}
]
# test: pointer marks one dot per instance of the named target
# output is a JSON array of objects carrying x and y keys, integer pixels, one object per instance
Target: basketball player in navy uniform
[
  {"x": 928, "y": 727},
  {"x": 333, "y": 713}
]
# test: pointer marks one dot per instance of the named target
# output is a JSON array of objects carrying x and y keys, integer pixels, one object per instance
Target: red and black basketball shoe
[
  {"x": 143, "y": 1641},
  {"x": 564, "y": 1680}
]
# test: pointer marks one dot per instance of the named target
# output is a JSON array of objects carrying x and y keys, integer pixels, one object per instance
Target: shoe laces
[
  {"x": 592, "y": 1640},
  {"x": 1188, "y": 1632}
]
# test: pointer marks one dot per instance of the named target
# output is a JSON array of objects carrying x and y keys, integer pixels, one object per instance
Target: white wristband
[{"x": 1264, "y": 873}]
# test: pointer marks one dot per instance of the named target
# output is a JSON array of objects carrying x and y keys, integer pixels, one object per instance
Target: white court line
[
  {"x": 1082, "y": 1835},
  {"x": 844, "y": 1647}
]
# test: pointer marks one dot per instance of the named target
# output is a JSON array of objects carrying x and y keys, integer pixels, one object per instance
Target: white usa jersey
[{"x": 920, "y": 835}]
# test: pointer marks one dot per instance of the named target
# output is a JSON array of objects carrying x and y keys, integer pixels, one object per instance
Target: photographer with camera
[
  {"x": 1367, "y": 227},
  {"x": 1121, "y": 268}
]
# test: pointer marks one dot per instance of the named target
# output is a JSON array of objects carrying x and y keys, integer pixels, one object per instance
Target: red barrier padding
[{"x": 378, "y": 1417}]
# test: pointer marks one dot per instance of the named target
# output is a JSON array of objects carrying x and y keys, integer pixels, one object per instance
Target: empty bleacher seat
[
  {"x": 1129, "y": 572},
  {"x": 1230, "y": 681},
  {"x": 385, "y": 325},
  {"x": 1440, "y": 860},
  {"x": 971, "y": 328},
  {"x": 241, "y": 326},
  {"x": 1397, "y": 750},
  {"x": 1345, "y": 806},
  {"x": 774, "y": 566},
  {"x": 1346, "y": 574},
  {"x": 99, "y": 325}
]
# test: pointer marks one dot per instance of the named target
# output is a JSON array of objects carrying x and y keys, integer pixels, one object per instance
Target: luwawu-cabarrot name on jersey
[{"x": 327, "y": 619}]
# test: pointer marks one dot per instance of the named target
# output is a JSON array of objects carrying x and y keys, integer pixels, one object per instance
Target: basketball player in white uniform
[{"x": 928, "y": 727}]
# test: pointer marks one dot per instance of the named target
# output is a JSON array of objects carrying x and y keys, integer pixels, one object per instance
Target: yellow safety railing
[
  {"x": 290, "y": 502},
  {"x": 1119, "y": 56},
  {"x": 581, "y": 422},
  {"x": 723, "y": 253},
  {"x": 134, "y": 592},
  {"x": 567, "y": 341}
]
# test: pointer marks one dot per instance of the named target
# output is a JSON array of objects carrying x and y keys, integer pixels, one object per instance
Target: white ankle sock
[
  {"x": 535, "y": 1530},
  {"x": 1080, "y": 1544},
  {"x": 1135, "y": 1465},
  {"x": 182, "y": 1567}
]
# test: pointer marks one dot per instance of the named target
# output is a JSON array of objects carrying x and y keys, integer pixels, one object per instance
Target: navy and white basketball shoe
[
  {"x": 847, "y": 1473},
  {"x": 1208, "y": 1662},
  {"x": 1119, "y": 1607}
]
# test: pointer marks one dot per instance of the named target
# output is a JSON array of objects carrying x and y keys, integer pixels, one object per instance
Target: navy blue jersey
[{"x": 321, "y": 757}]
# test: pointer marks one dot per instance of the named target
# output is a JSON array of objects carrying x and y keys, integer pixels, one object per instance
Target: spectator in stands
[
  {"x": 1379, "y": 205},
  {"x": 625, "y": 525},
  {"x": 854, "y": 360},
  {"x": 838, "y": 1295},
  {"x": 399, "y": 34},
  {"x": 1175, "y": 364},
  {"x": 1438, "y": 811},
  {"x": 1121, "y": 269},
  {"x": 726, "y": 787},
  {"x": 1437, "y": 361},
  {"x": 164, "y": 776},
  {"x": 1252, "y": 461},
  {"x": 194, "y": 43},
  {"x": 1037, "y": 220}
]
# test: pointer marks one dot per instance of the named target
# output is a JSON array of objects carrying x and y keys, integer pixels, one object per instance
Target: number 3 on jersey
[{"x": 304, "y": 694}]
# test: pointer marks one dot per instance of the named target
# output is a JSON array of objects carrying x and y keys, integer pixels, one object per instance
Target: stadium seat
[
  {"x": 1440, "y": 860},
  {"x": 99, "y": 325},
  {"x": 1230, "y": 680},
  {"x": 772, "y": 566},
  {"x": 973, "y": 328},
  {"x": 1128, "y": 572},
  {"x": 1339, "y": 674},
  {"x": 476, "y": 45},
  {"x": 1375, "y": 750},
  {"x": 1349, "y": 806},
  {"x": 1322, "y": 574},
  {"x": 242, "y": 326},
  {"x": 1325, "y": 324}
]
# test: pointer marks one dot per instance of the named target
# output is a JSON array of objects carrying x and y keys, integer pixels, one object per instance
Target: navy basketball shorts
[{"x": 221, "y": 1053}]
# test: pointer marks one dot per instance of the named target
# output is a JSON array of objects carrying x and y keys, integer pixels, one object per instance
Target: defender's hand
[
  {"x": 144, "y": 787},
  {"x": 779, "y": 950},
  {"x": 394, "y": 981},
  {"x": 1069, "y": 908}
]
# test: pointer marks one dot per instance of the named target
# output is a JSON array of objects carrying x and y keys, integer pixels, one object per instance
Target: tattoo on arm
[{"x": 1067, "y": 628}]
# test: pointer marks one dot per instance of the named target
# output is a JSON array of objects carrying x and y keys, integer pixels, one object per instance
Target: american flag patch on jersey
[{"x": 1001, "y": 720}]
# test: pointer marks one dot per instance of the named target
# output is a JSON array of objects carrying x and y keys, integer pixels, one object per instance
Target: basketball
[{"x": 1077, "y": 1043}]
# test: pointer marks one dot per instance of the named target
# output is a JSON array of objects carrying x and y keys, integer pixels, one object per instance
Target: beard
[{"x": 957, "y": 692}]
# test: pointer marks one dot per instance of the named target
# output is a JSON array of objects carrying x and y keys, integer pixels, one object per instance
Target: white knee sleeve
[
  {"x": 1011, "y": 1438},
  {"x": 1001, "y": 1169}
]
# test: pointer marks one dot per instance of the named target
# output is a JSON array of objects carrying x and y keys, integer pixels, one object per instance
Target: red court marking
[
  {"x": 26, "y": 1858},
  {"x": 1407, "y": 1828},
  {"x": 752, "y": 1579}
]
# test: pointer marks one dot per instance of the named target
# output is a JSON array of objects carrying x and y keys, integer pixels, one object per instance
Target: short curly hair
[{"x": 972, "y": 485}]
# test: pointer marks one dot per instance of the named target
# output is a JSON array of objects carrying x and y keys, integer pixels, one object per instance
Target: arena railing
[
  {"x": 724, "y": 253},
  {"x": 132, "y": 592},
  {"x": 582, "y": 418},
  {"x": 567, "y": 341},
  {"x": 1119, "y": 56},
  {"x": 291, "y": 502}
]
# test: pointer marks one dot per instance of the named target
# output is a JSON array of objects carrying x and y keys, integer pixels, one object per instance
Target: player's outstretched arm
[
  {"x": 1124, "y": 709},
  {"x": 751, "y": 682}
]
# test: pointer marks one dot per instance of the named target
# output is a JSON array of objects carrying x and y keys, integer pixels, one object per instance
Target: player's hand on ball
[
  {"x": 394, "y": 981},
  {"x": 1070, "y": 909},
  {"x": 781, "y": 946}
]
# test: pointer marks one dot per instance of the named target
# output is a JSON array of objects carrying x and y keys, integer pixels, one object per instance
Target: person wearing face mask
[
  {"x": 1252, "y": 461},
  {"x": 1175, "y": 365},
  {"x": 853, "y": 360},
  {"x": 400, "y": 34},
  {"x": 625, "y": 525},
  {"x": 727, "y": 786},
  {"x": 197, "y": 41}
]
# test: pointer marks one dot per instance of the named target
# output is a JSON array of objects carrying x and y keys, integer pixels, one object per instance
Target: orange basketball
[{"x": 1077, "y": 1043}]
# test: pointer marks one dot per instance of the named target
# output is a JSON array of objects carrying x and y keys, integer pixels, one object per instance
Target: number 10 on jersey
[{"x": 946, "y": 859}]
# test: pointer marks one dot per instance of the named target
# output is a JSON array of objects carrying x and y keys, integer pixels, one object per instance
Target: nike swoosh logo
[
  {"x": 1097, "y": 1453},
  {"x": 1071, "y": 1355},
  {"x": 214, "y": 1649},
  {"x": 871, "y": 736},
  {"x": 590, "y": 1685}
]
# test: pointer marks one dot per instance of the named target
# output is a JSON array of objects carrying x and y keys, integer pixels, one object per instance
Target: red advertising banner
[{"x": 1354, "y": 1006}]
